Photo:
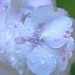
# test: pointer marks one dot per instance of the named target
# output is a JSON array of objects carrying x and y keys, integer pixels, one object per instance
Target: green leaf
[
  {"x": 69, "y": 5},
  {"x": 72, "y": 71}
]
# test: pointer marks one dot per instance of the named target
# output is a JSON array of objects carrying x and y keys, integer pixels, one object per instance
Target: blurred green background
[
  {"x": 72, "y": 71},
  {"x": 69, "y": 5}
]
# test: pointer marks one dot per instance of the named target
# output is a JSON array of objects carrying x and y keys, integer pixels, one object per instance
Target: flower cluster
[{"x": 35, "y": 34}]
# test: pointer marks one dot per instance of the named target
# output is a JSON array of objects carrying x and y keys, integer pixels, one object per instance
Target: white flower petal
[
  {"x": 36, "y": 3},
  {"x": 31, "y": 26},
  {"x": 5, "y": 2},
  {"x": 70, "y": 44},
  {"x": 54, "y": 32},
  {"x": 42, "y": 60},
  {"x": 23, "y": 49},
  {"x": 47, "y": 13},
  {"x": 2, "y": 17}
]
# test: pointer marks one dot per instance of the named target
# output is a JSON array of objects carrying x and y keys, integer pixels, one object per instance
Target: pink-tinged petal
[
  {"x": 63, "y": 60},
  {"x": 54, "y": 32},
  {"x": 42, "y": 60},
  {"x": 20, "y": 40}
]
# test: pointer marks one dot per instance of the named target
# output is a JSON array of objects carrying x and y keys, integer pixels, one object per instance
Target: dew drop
[
  {"x": 11, "y": 58},
  {"x": 70, "y": 54},
  {"x": 50, "y": 55},
  {"x": 1, "y": 51},
  {"x": 54, "y": 61},
  {"x": 19, "y": 54},
  {"x": 37, "y": 55},
  {"x": 43, "y": 54},
  {"x": 39, "y": 30},
  {"x": 42, "y": 61},
  {"x": 20, "y": 71},
  {"x": 13, "y": 64},
  {"x": 18, "y": 51},
  {"x": 21, "y": 64}
]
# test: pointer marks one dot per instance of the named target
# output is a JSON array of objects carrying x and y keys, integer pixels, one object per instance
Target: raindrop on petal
[{"x": 42, "y": 61}]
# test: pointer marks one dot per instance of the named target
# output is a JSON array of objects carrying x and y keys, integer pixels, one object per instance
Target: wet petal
[
  {"x": 31, "y": 26},
  {"x": 2, "y": 17},
  {"x": 42, "y": 60},
  {"x": 47, "y": 13},
  {"x": 63, "y": 60},
  {"x": 70, "y": 44},
  {"x": 54, "y": 32},
  {"x": 5, "y": 2},
  {"x": 23, "y": 49}
]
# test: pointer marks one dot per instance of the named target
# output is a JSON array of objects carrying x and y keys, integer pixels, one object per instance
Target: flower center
[{"x": 36, "y": 39}]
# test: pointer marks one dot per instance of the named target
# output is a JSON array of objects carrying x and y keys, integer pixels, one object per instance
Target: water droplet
[
  {"x": 70, "y": 54},
  {"x": 50, "y": 55},
  {"x": 21, "y": 64},
  {"x": 54, "y": 61},
  {"x": 21, "y": 29},
  {"x": 39, "y": 30},
  {"x": 1, "y": 51},
  {"x": 19, "y": 55},
  {"x": 11, "y": 58},
  {"x": 42, "y": 61},
  {"x": 20, "y": 71},
  {"x": 37, "y": 55},
  {"x": 13, "y": 64},
  {"x": 43, "y": 54},
  {"x": 36, "y": 41},
  {"x": 35, "y": 50},
  {"x": 18, "y": 51}
]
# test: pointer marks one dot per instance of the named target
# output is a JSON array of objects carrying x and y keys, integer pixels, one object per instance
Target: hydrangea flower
[{"x": 37, "y": 36}]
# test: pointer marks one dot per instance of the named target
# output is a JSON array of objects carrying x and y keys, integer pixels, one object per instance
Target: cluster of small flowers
[{"x": 35, "y": 34}]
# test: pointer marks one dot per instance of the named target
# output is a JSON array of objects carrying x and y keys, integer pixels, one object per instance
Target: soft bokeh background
[{"x": 69, "y": 5}]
